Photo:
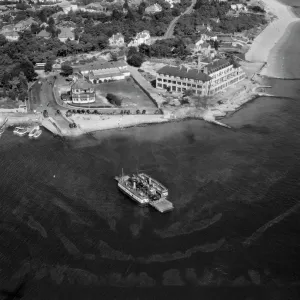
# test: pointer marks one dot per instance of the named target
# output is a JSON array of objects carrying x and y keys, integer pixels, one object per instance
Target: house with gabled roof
[
  {"x": 153, "y": 9},
  {"x": 66, "y": 34},
  {"x": 24, "y": 24},
  {"x": 11, "y": 36},
  {"x": 7, "y": 28},
  {"x": 44, "y": 34},
  {"x": 82, "y": 92},
  {"x": 141, "y": 38},
  {"x": 116, "y": 40}
]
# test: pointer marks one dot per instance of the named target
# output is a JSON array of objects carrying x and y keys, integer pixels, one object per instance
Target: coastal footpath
[{"x": 267, "y": 46}]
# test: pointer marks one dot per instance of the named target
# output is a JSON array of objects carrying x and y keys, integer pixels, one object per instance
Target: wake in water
[{"x": 258, "y": 233}]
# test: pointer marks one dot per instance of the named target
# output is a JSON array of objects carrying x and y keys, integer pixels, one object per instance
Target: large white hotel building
[{"x": 208, "y": 80}]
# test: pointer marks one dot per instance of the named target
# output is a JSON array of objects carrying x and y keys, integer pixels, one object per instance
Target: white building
[
  {"x": 117, "y": 40},
  {"x": 239, "y": 7},
  {"x": 110, "y": 71},
  {"x": 209, "y": 80},
  {"x": 141, "y": 38},
  {"x": 11, "y": 36},
  {"x": 172, "y": 2},
  {"x": 153, "y": 9},
  {"x": 82, "y": 92}
]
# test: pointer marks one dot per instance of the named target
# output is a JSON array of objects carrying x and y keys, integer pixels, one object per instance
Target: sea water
[{"x": 66, "y": 225}]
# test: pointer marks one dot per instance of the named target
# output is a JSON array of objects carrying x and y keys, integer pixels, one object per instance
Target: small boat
[
  {"x": 33, "y": 131},
  {"x": 1, "y": 131},
  {"x": 37, "y": 134},
  {"x": 20, "y": 131}
]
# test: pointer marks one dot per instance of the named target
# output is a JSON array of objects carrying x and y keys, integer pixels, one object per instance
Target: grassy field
[{"x": 130, "y": 93}]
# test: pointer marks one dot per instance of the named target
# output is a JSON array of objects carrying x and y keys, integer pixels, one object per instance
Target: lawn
[{"x": 130, "y": 93}]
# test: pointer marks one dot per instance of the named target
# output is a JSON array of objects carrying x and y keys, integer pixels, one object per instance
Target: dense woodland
[{"x": 206, "y": 10}]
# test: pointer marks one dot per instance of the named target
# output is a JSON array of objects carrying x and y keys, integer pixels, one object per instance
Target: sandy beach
[{"x": 268, "y": 46}]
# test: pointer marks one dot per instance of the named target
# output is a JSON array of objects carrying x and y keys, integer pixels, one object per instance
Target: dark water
[
  {"x": 65, "y": 224},
  {"x": 294, "y": 4}
]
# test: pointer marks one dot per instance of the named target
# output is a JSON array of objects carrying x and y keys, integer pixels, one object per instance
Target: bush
[
  {"x": 135, "y": 60},
  {"x": 113, "y": 99}
]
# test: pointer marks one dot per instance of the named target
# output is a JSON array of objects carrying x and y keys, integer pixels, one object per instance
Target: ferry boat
[
  {"x": 33, "y": 131},
  {"x": 145, "y": 190},
  {"x": 20, "y": 131}
]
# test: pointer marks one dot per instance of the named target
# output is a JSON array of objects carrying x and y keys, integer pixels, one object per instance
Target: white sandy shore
[{"x": 270, "y": 36}]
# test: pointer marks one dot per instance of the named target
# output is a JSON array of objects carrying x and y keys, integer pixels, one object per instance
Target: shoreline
[{"x": 233, "y": 99}]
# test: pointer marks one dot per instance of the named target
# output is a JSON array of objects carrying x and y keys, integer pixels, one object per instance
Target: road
[
  {"x": 170, "y": 31},
  {"x": 43, "y": 99}
]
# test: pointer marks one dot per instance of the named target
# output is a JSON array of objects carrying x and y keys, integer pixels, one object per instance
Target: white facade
[
  {"x": 117, "y": 40},
  {"x": 171, "y": 2},
  {"x": 141, "y": 38},
  {"x": 239, "y": 7},
  {"x": 211, "y": 82}
]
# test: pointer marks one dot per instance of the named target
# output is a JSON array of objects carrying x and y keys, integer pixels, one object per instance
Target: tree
[
  {"x": 135, "y": 60},
  {"x": 131, "y": 51},
  {"x": 141, "y": 8},
  {"x": 3, "y": 40},
  {"x": 144, "y": 49},
  {"x": 51, "y": 21},
  {"x": 35, "y": 28},
  {"x": 27, "y": 67},
  {"x": 43, "y": 16},
  {"x": 216, "y": 45},
  {"x": 66, "y": 70},
  {"x": 114, "y": 99},
  {"x": 48, "y": 66},
  {"x": 114, "y": 56},
  {"x": 23, "y": 86}
]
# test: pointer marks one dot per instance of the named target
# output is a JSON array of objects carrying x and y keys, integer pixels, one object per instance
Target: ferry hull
[{"x": 132, "y": 197}]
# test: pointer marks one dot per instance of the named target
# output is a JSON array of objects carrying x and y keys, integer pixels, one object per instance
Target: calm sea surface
[
  {"x": 66, "y": 225},
  {"x": 71, "y": 234}
]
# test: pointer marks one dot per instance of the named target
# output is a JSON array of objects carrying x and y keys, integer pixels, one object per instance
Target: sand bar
[{"x": 270, "y": 36}]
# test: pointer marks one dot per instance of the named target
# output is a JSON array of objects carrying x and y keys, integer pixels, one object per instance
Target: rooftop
[
  {"x": 81, "y": 84},
  {"x": 10, "y": 33},
  {"x": 65, "y": 33},
  {"x": 217, "y": 65},
  {"x": 44, "y": 34},
  {"x": 184, "y": 72},
  {"x": 98, "y": 65}
]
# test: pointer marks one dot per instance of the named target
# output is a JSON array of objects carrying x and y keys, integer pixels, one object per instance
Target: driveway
[{"x": 170, "y": 31}]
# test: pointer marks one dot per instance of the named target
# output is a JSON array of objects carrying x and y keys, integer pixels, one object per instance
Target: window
[
  {"x": 159, "y": 79},
  {"x": 193, "y": 85},
  {"x": 169, "y": 81},
  {"x": 159, "y": 85},
  {"x": 184, "y": 83},
  {"x": 174, "y": 82},
  {"x": 173, "y": 88},
  {"x": 188, "y": 84},
  {"x": 165, "y": 80}
]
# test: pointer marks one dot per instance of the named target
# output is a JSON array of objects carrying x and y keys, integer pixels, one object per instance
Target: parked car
[{"x": 45, "y": 114}]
